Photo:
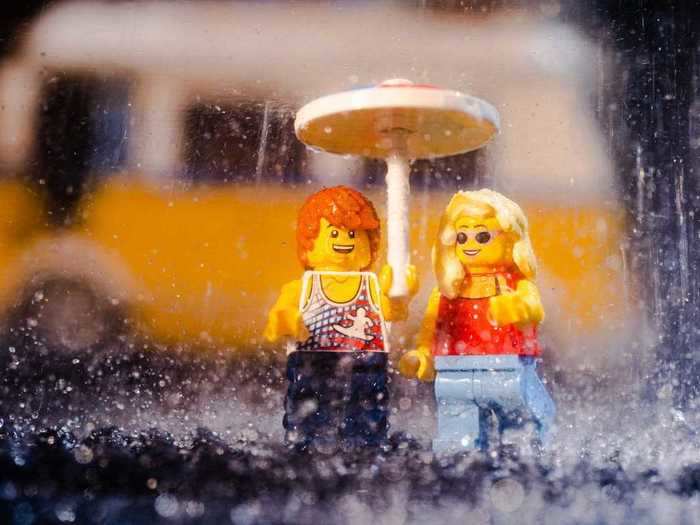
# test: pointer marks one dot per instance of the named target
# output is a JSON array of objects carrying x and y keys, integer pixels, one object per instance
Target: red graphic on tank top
[
  {"x": 355, "y": 326},
  {"x": 463, "y": 328}
]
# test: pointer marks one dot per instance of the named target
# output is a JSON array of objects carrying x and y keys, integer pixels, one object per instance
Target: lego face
[
  {"x": 481, "y": 243},
  {"x": 339, "y": 249}
]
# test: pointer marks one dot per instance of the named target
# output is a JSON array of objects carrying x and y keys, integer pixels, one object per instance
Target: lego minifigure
[
  {"x": 337, "y": 367},
  {"x": 479, "y": 335}
]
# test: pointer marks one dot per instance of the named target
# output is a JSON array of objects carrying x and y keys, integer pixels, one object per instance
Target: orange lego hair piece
[{"x": 343, "y": 207}]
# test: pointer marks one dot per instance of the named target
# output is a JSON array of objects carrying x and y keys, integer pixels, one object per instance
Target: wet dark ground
[
  {"x": 140, "y": 434},
  {"x": 112, "y": 477}
]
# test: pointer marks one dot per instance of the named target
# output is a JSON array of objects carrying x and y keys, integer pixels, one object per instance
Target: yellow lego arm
[
  {"x": 396, "y": 309},
  {"x": 284, "y": 319},
  {"x": 418, "y": 363},
  {"x": 523, "y": 306}
]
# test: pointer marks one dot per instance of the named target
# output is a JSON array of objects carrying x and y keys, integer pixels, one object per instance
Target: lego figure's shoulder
[{"x": 291, "y": 291}]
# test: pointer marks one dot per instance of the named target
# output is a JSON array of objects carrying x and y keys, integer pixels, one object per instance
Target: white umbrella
[{"x": 397, "y": 121}]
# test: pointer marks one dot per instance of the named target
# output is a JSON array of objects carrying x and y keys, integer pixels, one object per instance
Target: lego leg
[
  {"x": 497, "y": 391},
  {"x": 517, "y": 396},
  {"x": 458, "y": 415},
  {"x": 367, "y": 401},
  {"x": 538, "y": 400},
  {"x": 313, "y": 400}
]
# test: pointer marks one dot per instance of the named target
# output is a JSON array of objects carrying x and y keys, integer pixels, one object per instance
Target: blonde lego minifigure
[{"x": 479, "y": 335}]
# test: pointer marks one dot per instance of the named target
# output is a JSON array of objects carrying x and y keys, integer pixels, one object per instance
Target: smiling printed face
[
  {"x": 339, "y": 249},
  {"x": 481, "y": 244}
]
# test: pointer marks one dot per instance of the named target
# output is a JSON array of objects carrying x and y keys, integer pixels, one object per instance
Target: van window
[
  {"x": 452, "y": 173},
  {"x": 82, "y": 130},
  {"x": 245, "y": 143}
]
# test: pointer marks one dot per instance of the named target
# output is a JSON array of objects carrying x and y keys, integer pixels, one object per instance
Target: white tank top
[{"x": 354, "y": 326}]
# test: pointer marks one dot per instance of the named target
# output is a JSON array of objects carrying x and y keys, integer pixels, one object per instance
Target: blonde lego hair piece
[{"x": 482, "y": 203}]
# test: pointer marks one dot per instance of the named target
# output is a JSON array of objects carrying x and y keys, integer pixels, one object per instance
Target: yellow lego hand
[
  {"x": 396, "y": 308},
  {"x": 523, "y": 306},
  {"x": 412, "y": 281},
  {"x": 418, "y": 364},
  {"x": 285, "y": 323},
  {"x": 386, "y": 279}
]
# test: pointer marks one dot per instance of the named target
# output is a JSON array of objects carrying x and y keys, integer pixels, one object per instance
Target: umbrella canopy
[{"x": 421, "y": 121}]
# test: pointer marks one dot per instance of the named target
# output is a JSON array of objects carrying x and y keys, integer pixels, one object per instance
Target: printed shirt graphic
[{"x": 354, "y": 326}]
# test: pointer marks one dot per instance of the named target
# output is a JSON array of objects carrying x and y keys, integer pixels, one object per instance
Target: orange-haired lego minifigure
[{"x": 337, "y": 368}]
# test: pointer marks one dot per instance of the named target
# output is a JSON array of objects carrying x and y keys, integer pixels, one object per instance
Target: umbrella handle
[{"x": 398, "y": 193}]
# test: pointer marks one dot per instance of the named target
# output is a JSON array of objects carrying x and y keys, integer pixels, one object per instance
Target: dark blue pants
[{"x": 336, "y": 397}]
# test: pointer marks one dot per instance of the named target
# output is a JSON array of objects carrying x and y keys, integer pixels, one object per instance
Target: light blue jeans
[{"x": 469, "y": 388}]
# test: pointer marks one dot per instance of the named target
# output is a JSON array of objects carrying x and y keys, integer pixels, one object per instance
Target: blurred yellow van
[{"x": 165, "y": 175}]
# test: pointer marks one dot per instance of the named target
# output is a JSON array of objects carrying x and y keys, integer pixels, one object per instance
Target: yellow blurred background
[{"x": 186, "y": 233}]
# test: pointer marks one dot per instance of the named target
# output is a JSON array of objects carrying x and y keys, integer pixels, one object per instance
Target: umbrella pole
[{"x": 398, "y": 193}]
